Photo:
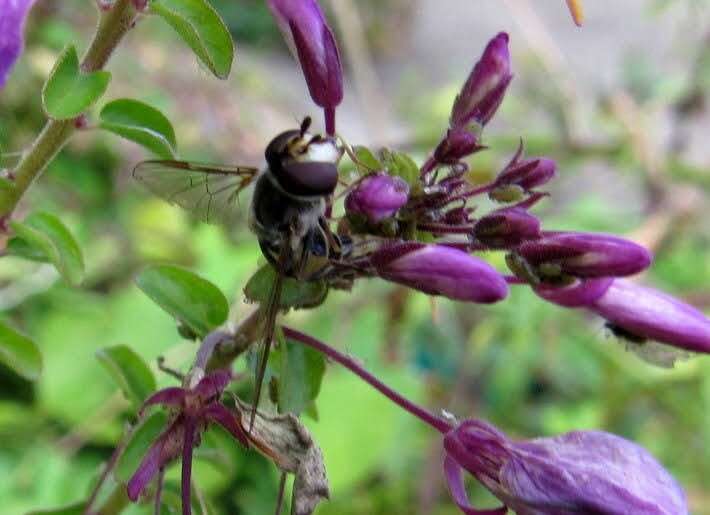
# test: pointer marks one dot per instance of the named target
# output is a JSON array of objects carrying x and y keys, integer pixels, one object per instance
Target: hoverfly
[
  {"x": 650, "y": 351},
  {"x": 287, "y": 213}
]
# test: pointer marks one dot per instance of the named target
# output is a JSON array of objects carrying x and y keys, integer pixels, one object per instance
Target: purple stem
[
  {"x": 437, "y": 423},
  {"x": 187, "y": 465},
  {"x": 329, "y": 113}
]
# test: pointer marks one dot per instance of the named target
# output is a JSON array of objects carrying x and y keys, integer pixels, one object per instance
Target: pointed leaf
[
  {"x": 192, "y": 300},
  {"x": 19, "y": 353},
  {"x": 45, "y": 238},
  {"x": 199, "y": 25},
  {"x": 140, "y": 123},
  {"x": 300, "y": 377},
  {"x": 367, "y": 159},
  {"x": 400, "y": 165},
  {"x": 68, "y": 91},
  {"x": 129, "y": 371},
  {"x": 72, "y": 509},
  {"x": 139, "y": 441},
  {"x": 294, "y": 294}
]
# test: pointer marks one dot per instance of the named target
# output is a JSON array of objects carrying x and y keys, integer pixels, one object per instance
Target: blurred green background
[{"x": 622, "y": 104}]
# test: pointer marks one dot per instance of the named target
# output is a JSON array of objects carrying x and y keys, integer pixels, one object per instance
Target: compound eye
[
  {"x": 307, "y": 178},
  {"x": 276, "y": 149}
]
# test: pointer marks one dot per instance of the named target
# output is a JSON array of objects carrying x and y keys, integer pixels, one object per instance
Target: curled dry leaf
[{"x": 287, "y": 442}]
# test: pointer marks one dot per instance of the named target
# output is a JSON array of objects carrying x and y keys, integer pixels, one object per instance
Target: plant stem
[
  {"x": 104, "y": 475},
  {"x": 113, "y": 25},
  {"x": 437, "y": 423}
]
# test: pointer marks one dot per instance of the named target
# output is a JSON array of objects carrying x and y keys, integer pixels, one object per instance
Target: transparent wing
[{"x": 210, "y": 192}]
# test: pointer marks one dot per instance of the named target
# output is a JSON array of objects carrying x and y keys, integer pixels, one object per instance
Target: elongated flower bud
[
  {"x": 526, "y": 173},
  {"x": 585, "y": 255},
  {"x": 649, "y": 313},
  {"x": 377, "y": 197},
  {"x": 440, "y": 270},
  {"x": 581, "y": 472},
  {"x": 485, "y": 87},
  {"x": 506, "y": 227},
  {"x": 305, "y": 30},
  {"x": 12, "y": 24},
  {"x": 457, "y": 144}
]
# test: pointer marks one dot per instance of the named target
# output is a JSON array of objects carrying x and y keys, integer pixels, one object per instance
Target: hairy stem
[
  {"x": 113, "y": 25},
  {"x": 437, "y": 423}
]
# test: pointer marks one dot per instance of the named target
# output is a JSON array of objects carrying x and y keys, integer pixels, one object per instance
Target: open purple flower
[
  {"x": 377, "y": 197},
  {"x": 585, "y": 255},
  {"x": 651, "y": 314},
  {"x": 483, "y": 91},
  {"x": 12, "y": 24},
  {"x": 440, "y": 270},
  {"x": 195, "y": 408},
  {"x": 582, "y": 472},
  {"x": 310, "y": 39}
]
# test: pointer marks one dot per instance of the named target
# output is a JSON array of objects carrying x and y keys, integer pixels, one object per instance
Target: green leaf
[
  {"x": 72, "y": 509},
  {"x": 139, "y": 441},
  {"x": 68, "y": 91},
  {"x": 189, "y": 298},
  {"x": 129, "y": 371},
  {"x": 140, "y": 123},
  {"x": 199, "y": 25},
  {"x": 401, "y": 165},
  {"x": 45, "y": 238},
  {"x": 19, "y": 353},
  {"x": 368, "y": 159},
  {"x": 294, "y": 294},
  {"x": 300, "y": 376}
]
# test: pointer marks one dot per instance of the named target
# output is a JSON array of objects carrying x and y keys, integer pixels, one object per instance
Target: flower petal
[
  {"x": 216, "y": 412},
  {"x": 171, "y": 396},
  {"x": 12, "y": 25},
  {"x": 454, "y": 479},
  {"x": 213, "y": 384}
]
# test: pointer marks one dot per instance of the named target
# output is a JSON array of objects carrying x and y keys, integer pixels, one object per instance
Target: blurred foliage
[{"x": 529, "y": 367}]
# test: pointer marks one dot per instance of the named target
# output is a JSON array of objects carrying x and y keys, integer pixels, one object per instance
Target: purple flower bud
[
  {"x": 377, "y": 197},
  {"x": 526, "y": 173},
  {"x": 485, "y": 87},
  {"x": 12, "y": 24},
  {"x": 457, "y": 144},
  {"x": 581, "y": 472},
  {"x": 652, "y": 314},
  {"x": 310, "y": 39},
  {"x": 440, "y": 270},
  {"x": 580, "y": 293},
  {"x": 586, "y": 254},
  {"x": 506, "y": 227}
]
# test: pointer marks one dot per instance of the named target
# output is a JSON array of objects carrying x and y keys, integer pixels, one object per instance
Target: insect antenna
[{"x": 272, "y": 309}]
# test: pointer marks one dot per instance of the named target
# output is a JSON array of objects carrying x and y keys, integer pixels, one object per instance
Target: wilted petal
[
  {"x": 305, "y": 29},
  {"x": 228, "y": 420},
  {"x": 440, "y": 270},
  {"x": 454, "y": 478},
  {"x": 581, "y": 472},
  {"x": 587, "y": 254},
  {"x": 652, "y": 314},
  {"x": 577, "y": 11},
  {"x": 485, "y": 87},
  {"x": 165, "y": 448},
  {"x": 377, "y": 197},
  {"x": 12, "y": 24}
]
